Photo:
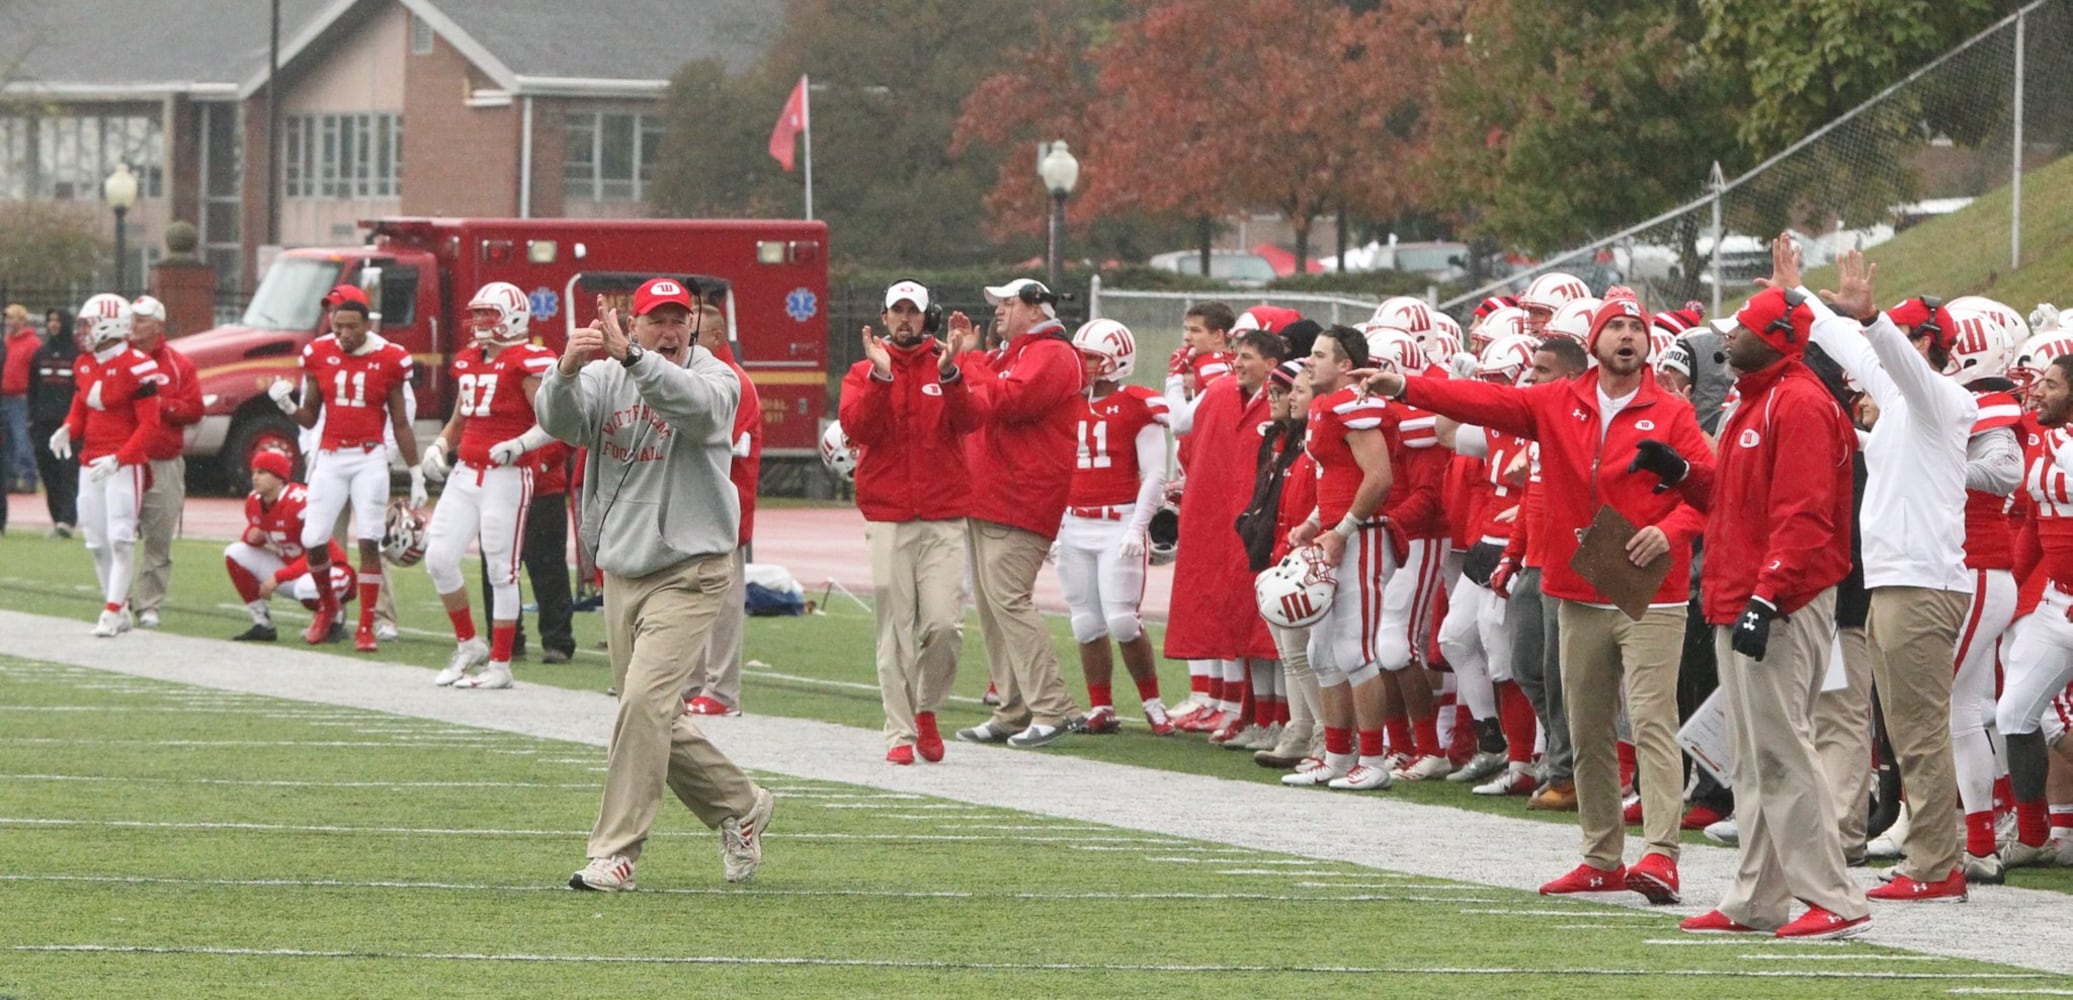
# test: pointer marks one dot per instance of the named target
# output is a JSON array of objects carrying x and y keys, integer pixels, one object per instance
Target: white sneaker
[
  {"x": 741, "y": 838},
  {"x": 127, "y": 621},
  {"x": 1323, "y": 774},
  {"x": 2016, "y": 854},
  {"x": 1480, "y": 766},
  {"x": 1423, "y": 769},
  {"x": 1724, "y": 832},
  {"x": 1036, "y": 736},
  {"x": 1510, "y": 782},
  {"x": 495, "y": 677},
  {"x": 1266, "y": 739},
  {"x": 467, "y": 656},
  {"x": 1245, "y": 739},
  {"x": 1886, "y": 846},
  {"x": 148, "y": 619},
  {"x": 2062, "y": 850},
  {"x": 109, "y": 626},
  {"x": 1395, "y": 762},
  {"x": 1362, "y": 778},
  {"x": 1985, "y": 870},
  {"x": 386, "y": 632},
  {"x": 613, "y": 874}
]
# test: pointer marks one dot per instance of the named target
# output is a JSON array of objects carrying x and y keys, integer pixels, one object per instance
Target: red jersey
[
  {"x": 490, "y": 392},
  {"x": 2050, "y": 488},
  {"x": 1503, "y": 496},
  {"x": 280, "y": 522},
  {"x": 1106, "y": 472},
  {"x": 115, "y": 410},
  {"x": 1989, "y": 544},
  {"x": 1465, "y": 492},
  {"x": 1210, "y": 366},
  {"x": 355, "y": 389},
  {"x": 1418, "y": 471},
  {"x": 1332, "y": 418}
]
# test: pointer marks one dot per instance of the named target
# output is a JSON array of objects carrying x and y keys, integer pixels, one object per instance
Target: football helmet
[
  {"x": 1406, "y": 313},
  {"x": 514, "y": 313},
  {"x": 1499, "y": 323},
  {"x": 2014, "y": 323},
  {"x": 1982, "y": 346},
  {"x": 1297, "y": 592},
  {"x": 1111, "y": 346},
  {"x": 1162, "y": 534},
  {"x": 1508, "y": 359},
  {"x": 1573, "y": 319},
  {"x": 1552, "y": 291},
  {"x": 1394, "y": 349},
  {"x": 1446, "y": 338},
  {"x": 2036, "y": 353},
  {"x": 403, "y": 534},
  {"x": 103, "y": 320},
  {"x": 838, "y": 454}
]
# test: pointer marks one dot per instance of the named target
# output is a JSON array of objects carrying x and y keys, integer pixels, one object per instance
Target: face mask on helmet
[
  {"x": 501, "y": 313},
  {"x": 838, "y": 454},
  {"x": 1110, "y": 348},
  {"x": 104, "y": 320}
]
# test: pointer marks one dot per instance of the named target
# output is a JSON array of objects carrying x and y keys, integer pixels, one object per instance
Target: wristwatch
[{"x": 633, "y": 356}]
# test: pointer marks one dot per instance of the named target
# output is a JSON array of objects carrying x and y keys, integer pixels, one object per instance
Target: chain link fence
[
  {"x": 1155, "y": 318},
  {"x": 1932, "y": 170}
]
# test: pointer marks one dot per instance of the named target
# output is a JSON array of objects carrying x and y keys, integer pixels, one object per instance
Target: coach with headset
[{"x": 913, "y": 491}]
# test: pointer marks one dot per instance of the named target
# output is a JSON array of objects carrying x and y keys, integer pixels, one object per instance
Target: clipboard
[{"x": 1601, "y": 559}]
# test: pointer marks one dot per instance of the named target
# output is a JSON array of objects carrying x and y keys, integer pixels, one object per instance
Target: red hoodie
[
  {"x": 179, "y": 402},
  {"x": 912, "y": 464},
  {"x": 1022, "y": 398},
  {"x": 1580, "y": 471}
]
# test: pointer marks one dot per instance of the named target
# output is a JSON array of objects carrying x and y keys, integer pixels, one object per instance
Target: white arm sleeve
[
  {"x": 1471, "y": 441},
  {"x": 1180, "y": 410},
  {"x": 1151, "y": 475},
  {"x": 1931, "y": 398},
  {"x": 1994, "y": 462}
]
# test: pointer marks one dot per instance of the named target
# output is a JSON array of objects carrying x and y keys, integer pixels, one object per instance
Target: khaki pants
[
  {"x": 653, "y": 623},
  {"x": 717, "y": 671},
  {"x": 1842, "y": 739},
  {"x": 157, "y": 521},
  {"x": 1789, "y": 848},
  {"x": 1601, "y": 647},
  {"x": 918, "y": 597},
  {"x": 1020, "y": 659},
  {"x": 1914, "y": 632}
]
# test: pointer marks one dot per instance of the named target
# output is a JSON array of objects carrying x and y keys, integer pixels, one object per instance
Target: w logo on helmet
[
  {"x": 1297, "y": 606},
  {"x": 1971, "y": 336}
]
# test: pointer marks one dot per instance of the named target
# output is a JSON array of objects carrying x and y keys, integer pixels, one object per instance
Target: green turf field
[{"x": 173, "y": 841}]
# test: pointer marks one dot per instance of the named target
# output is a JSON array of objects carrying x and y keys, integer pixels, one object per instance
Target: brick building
[{"x": 388, "y": 107}]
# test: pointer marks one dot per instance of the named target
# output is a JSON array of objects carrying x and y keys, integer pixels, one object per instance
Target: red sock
[
  {"x": 1216, "y": 690},
  {"x": 1337, "y": 740},
  {"x": 2062, "y": 817},
  {"x": 1147, "y": 689},
  {"x": 1263, "y": 711},
  {"x": 1101, "y": 696},
  {"x": 1626, "y": 755},
  {"x": 1515, "y": 715},
  {"x": 1979, "y": 833},
  {"x": 327, "y": 598},
  {"x": 1398, "y": 730},
  {"x": 1371, "y": 742},
  {"x": 112, "y": 606},
  {"x": 1428, "y": 730},
  {"x": 1199, "y": 684},
  {"x": 242, "y": 579},
  {"x": 463, "y": 624},
  {"x": 1244, "y": 700},
  {"x": 370, "y": 593},
  {"x": 502, "y": 636},
  {"x": 2033, "y": 822}
]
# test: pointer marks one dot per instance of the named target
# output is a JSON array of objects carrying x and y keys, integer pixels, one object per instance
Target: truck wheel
[{"x": 247, "y": 437}]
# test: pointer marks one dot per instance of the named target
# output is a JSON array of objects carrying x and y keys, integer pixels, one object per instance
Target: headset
[
  {"x": 931, "y": 317},
  {"x": 1933, "y": 329},
  {"x": 1794, "y": 298},
  {"x": 1036, "y": 294}
]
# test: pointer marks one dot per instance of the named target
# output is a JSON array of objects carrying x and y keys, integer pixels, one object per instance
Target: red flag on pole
[{"x": 790, "y": 123}]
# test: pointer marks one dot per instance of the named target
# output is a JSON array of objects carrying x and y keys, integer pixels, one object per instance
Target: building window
[
  {"x": 610, "y": 156},
  {"x": 342, "y": 156},
  {"x": 58, "y": 157},
  {"x": 420, "y": 36}
]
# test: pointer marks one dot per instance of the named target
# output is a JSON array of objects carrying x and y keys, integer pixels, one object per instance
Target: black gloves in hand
[
  {"x": 1654, "y": 456},
  {"x": 1752, "y": 636}
]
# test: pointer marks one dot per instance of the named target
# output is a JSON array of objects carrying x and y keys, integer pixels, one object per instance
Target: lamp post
[
  {"x": 1059, "y": 171},
  {"x": 120, "y": 191}
]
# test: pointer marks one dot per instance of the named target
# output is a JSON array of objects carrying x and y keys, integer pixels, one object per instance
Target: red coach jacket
[
  {"x": 1024, "y": 449},
  {"x": 1580, "y": 472},
  {"x": 1778, "y": 496},
  {"x": 179, "y": 403},
  {"x": 912, "y": 460}
]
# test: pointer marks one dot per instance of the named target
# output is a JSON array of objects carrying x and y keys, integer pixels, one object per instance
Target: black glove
[
  {"x": 1753, "y": 630},
  {"x": 1654, "y": 456}
]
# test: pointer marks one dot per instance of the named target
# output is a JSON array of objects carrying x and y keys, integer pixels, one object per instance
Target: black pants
[
  {"x": 60, "y": 478},
  {"x": 544, "y": 551}
]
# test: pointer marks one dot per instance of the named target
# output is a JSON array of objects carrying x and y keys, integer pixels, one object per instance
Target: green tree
[{"x": 48, "y": 246}]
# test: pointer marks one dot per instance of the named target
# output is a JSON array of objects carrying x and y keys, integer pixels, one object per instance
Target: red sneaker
[
  {"x": 1204, "y": 722},
  {"x": 1156, "y": 717},
  {"x": 1233, "y": 725},
  {"x": 927, "y": 740},
  {"x": 1102, "y": 721},
  {"x": 1631, "y": 815},
  {"x": 703, "y": 705},
  {"x": 991, "y": 697},
  {"x": 902, "y": 754},
  {"x": 1700, "y": 817},
  {"x": 1588, "y": 879},
  {"x": 1818, "y": 924},
  {"x": 320, "y": 628},
  {"x": 1715, "y": 922},
  {"x": 363, "y": 640},
  {"x": 1906, "y": 890},
  {"x": 1655, "y": 877}
]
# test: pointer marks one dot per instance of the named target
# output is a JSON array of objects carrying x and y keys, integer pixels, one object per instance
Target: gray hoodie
[{"x": 655, "y": 488}]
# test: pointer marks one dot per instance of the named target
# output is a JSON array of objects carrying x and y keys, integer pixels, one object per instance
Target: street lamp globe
[
  {"x": 120, "y": 189},
  {"x": 1059, "y": 169}
]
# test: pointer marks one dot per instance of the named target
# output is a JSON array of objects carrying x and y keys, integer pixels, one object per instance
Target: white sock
[{"x": 261, "y": 613}]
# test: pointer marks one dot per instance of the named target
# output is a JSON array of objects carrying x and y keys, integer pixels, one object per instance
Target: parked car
[{"x": 1242, "y": 268}]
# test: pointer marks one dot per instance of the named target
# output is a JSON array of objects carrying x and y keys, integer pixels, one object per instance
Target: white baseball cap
[
  {"x": 910, "y": 291},
  {"x": 147, "y": 307},
  {"x": 995, "y": 295}
]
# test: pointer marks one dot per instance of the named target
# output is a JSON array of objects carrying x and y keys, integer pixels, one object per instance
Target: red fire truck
[{"x": 420, "y": 273}]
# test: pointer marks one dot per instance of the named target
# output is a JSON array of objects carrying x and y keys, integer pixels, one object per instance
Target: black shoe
[
  {"x": 257, "y": 633},
  {"x": 337, "y": 633}
]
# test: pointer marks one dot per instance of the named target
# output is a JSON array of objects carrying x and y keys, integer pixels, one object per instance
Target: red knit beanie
[
  {"x": 1619, "y": 301},
  {"x": 1775, "y": 323}
]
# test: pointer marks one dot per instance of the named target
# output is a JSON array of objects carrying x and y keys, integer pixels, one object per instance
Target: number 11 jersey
[
  {"x": 1106, "y": 473},
  {"x": 355, "y": 388}
]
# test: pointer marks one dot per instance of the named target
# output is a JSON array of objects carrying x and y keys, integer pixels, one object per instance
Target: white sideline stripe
[
  {"x": 1742, "y": 941},
  {"x": 470, "y": 744},
  {"x": 1370, "y": 885},
  {"x": 138, "y": 824},
  {"x": 192, "y": 709},
  {"x": 1282, "y": 871},
  {"x": 2040, "y": 992},
  {"x": 897, "y": 963},
  {"x": 264, "y": 783},
  {"x": 1867, "y": 957},
  {"x": 1101, "y": 847},
  {"x": 947, "y": 806},
  {"x": 1570, "y": 914},
  {"x": 844, "y": 685}
]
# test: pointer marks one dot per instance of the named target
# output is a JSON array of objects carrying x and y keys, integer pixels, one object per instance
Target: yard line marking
[
  {"x": 136, "y": 824},
  {"x": 1865, "y": 957},
  {"x": 1566, "y": 913},
  {"x": 264, "y": 783},
  {"x": 897, "y": 963},
  {"x": 1742, "y": 941},
  {"x": 2039, "y": 992},
  {"x": 471, "y": 744},
  {"x": 949, "y": 806}
]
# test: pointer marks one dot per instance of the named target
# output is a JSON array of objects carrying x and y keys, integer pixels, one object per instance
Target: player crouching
[{"x": 270, "y": 555}]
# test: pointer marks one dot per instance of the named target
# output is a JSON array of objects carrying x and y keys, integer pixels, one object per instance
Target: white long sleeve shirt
[{"x": 1913, "y": 517}]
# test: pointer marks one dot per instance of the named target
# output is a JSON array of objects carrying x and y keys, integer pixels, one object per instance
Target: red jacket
[
  {"x": 1778, "y": 495},
  {"x": 550, "y": 464},
  {"x": 1025, "y": 446},
  {"x": 746, "y": 470},
  {"x": 179, "y": 403},
  {"x": 115, "y": 412},
  {"x": 1213, "y": 615},
  {"x": 16, "y": 360},
  {"x": 911, "y": 464},
  {"x": 1581, "y": 472}
]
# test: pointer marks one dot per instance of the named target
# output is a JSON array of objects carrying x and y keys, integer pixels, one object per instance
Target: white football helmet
[
  {"x": 1394, "y": 349},
  {"x": 1446, "y": 338},
  {"x": 1982, "y": 346},
  {"x": 1499, "y": 324},
  {"x": 1162, "y": 534},
  {"x": 2036, "y": 353},
  {"x": 514, "y": 312},
  {"x": 403, "y": 534},
  {"x": 1552, "y": 291},
  {"x": 2013, "y": 322},
  {"x": 1508, "y": 359},
  {"x": 838, "y": 454},
  {"x": 103, "y": 320},
  {"x": 1298, "y": 591},
  {"x": 1573, "y": 319},
  {"x": 1111, "y": 344},
  {"x": 1408, "y": 314}
]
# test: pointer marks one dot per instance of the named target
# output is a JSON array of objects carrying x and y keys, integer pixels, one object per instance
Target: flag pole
[{"x": 806, "y": 127}]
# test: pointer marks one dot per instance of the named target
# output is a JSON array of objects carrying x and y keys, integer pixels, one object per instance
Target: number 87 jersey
[
  {"x": 354, "y": 387},
  {"x": 490, "y": 392}
]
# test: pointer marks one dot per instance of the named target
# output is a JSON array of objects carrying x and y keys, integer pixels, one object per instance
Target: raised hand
[
  {"x": 875, "y": 351},
  {"x": 1854, "y": 278}
]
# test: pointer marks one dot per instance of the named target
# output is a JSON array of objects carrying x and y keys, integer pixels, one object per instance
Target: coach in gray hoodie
[{"x": 656, "y": 412}]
